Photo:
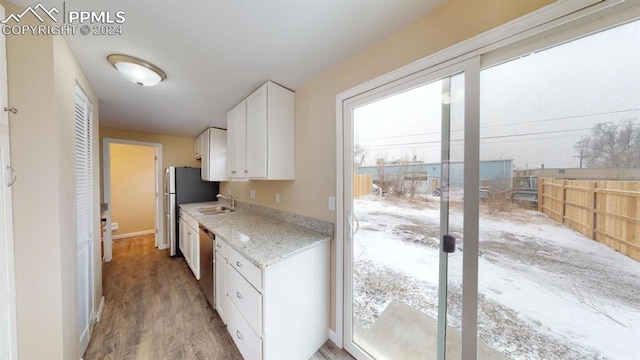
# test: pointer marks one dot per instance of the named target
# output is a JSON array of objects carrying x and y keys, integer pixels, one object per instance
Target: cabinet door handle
[
  {"x": 239, "y": 295},
  {"x": 233, "y": 172},
  {"x": 218, "y": 245},
  {"x": 12, "y": 176},
  {"x": 246, "y": 171},
  {"x": 239, "y": 335},
  {"x": 238, "y": 264}
]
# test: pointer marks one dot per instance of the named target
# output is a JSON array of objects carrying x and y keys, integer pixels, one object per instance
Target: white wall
[{"x": 42, "y": 73}]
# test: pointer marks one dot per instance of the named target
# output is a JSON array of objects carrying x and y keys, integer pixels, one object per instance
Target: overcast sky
[{"x": 533, "y": 109}]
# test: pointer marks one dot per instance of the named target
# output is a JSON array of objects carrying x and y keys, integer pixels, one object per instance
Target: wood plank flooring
[{"x": 154, "y": 309}]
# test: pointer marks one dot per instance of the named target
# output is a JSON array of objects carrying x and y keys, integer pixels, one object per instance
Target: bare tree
[
  {"x": 611, "y": 146},
  {"x": 382, "y": 179}
]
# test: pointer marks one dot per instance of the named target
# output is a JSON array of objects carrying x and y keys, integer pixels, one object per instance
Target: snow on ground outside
[{"x": 562, "y": 286}]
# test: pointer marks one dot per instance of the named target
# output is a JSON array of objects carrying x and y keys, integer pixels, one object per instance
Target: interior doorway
[{"x": 132, "y": 176}]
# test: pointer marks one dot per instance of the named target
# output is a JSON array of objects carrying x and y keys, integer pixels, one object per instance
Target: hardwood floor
[{"x": 154, "y": 309}]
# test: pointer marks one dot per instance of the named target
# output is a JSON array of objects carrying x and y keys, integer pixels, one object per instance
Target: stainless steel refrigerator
[{"x": 183, "y": 185}]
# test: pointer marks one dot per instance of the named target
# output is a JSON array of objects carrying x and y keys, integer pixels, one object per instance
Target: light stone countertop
[{"x": 261, "y": 239}]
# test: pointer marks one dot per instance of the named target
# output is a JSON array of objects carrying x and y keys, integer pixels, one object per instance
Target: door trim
[
  {"x": 7, "y": 204},
  {"x": 106, "y": 192}
]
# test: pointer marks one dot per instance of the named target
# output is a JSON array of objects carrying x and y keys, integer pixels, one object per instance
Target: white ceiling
[{"x": 216, "y": 52}]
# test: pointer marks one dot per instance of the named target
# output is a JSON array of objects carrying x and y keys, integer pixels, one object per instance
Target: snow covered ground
[{"x": 546, "y": 291}]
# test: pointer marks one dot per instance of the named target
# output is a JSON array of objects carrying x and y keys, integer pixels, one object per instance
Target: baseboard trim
[
  {"x": 100, "y": 309},
  {"x": 334, "y": 338},
  {"x": 162, "y": 247},
  {"x": 137, "y": 233}
]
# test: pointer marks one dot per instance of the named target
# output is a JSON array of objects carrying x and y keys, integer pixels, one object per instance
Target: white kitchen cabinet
[
  {"x": 236, "y": 142},
  {"x": 283, "y": 313},
  {"x": 182, "y": 230},
  {"x": 249, "y": 344},
  {"x": 197, "y": 147},
  {"x": 271, "y": 133},
  {"x": 264, "y": 139},
  {"x": 194, "y": 251},
  {"x": 221, "y": 280},
  {"x": 214, "y": 155},
  {"x": 189, "y": 243}
]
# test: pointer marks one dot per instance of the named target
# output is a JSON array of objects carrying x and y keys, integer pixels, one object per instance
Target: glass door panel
[
  {"x": 560, "y": 231},
  {"x": 403, "y": 194}
]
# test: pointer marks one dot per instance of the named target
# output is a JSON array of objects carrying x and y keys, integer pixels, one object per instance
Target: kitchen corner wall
[{"x": 315, "y": 179}]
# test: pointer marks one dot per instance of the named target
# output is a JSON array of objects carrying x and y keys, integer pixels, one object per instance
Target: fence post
[
  {"x": 594, "y": 234},
  {"x": 592, "y": 208},
  {"x": 540, "y": 194},
  {"x": 564, "y": 200}
]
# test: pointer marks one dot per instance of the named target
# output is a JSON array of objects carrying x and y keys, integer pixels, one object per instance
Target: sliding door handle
[
  {"x": 351, "y": 218},
  {"x": 12, "y": 176},
  {"x": 357, "y": 224}
]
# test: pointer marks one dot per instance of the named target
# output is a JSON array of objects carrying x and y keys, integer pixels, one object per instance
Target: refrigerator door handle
[
  {"x": 166, "y": 203},
  {"x": 166, "y": 181},
  {"x": 171, "y": 224}
]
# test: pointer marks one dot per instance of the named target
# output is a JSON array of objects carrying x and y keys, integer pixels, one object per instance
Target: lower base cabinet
[
  {"x": 221, "y": 284},
  {"x": 189, "y": 242},
  {"x": 249, "y": 344},
  {"x": 291, "y": 320}
]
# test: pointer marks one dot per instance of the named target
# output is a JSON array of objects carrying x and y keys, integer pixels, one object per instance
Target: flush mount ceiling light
[{"x": 137, "y": 70}]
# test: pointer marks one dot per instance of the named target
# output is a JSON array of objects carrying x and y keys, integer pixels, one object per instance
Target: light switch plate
[
  {"x": 252, "y": 194},
  {"x": 277, "y": 198},
  {"x": 332, "y": 203}
]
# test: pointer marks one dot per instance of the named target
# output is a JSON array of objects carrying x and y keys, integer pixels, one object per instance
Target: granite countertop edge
[{"x": 271, "y": 240}]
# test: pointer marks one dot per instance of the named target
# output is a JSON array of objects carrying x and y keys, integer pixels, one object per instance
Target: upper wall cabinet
[
  {"x": 237, "y": 142},
  {"x": 197, "y": 146},
  {"x": 213, "y": 148},
  {"x": 261, "y": 134}
]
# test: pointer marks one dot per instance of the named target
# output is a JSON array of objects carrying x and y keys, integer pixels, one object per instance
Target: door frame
[
  {"x": 547, "y": 18},
  {"x": 6, "y": 202},
  {"x": 106, "y": 192}
]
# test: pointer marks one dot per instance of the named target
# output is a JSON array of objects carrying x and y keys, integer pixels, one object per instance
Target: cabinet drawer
[
  {"x": 191, "y": 221},
  {"x": 249, "y": 344},
  {"x": 245, "y": 267},
  {"x": 221, "y": 248},
  {"x": 246, "y": 298}
]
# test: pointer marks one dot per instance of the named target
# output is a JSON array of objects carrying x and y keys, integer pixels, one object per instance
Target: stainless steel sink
[{"x": 213, "y": 210}]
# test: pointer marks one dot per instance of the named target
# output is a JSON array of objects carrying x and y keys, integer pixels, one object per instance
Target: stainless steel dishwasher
[{"x": 207, "y": 265}]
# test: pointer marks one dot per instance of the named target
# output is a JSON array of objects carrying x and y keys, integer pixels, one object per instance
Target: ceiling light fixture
[{"x": 138, "y": 71}]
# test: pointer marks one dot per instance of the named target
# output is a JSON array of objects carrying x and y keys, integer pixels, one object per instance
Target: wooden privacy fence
[
  {"x": 362, "y": 185},
  {"x": 605, "y": 211}
]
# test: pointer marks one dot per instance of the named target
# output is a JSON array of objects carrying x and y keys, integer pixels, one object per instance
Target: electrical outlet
[
  {"x": 252, "y": 194},
  {"x": 332, "y": 203},
  {"x": 277, "y": 198}
]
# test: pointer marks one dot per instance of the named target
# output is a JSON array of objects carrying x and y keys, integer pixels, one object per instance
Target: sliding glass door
[
  {"x": 560, "y": 234},
  {"x": 491, "y": 208},
  {"x": 404, "y": 209}
]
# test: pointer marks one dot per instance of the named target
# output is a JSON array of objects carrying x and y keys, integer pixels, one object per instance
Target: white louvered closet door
[{"x": 84, "y": 213}]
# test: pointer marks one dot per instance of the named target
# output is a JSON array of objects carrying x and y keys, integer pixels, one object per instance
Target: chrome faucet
[{"x": 229, "y": 199}]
